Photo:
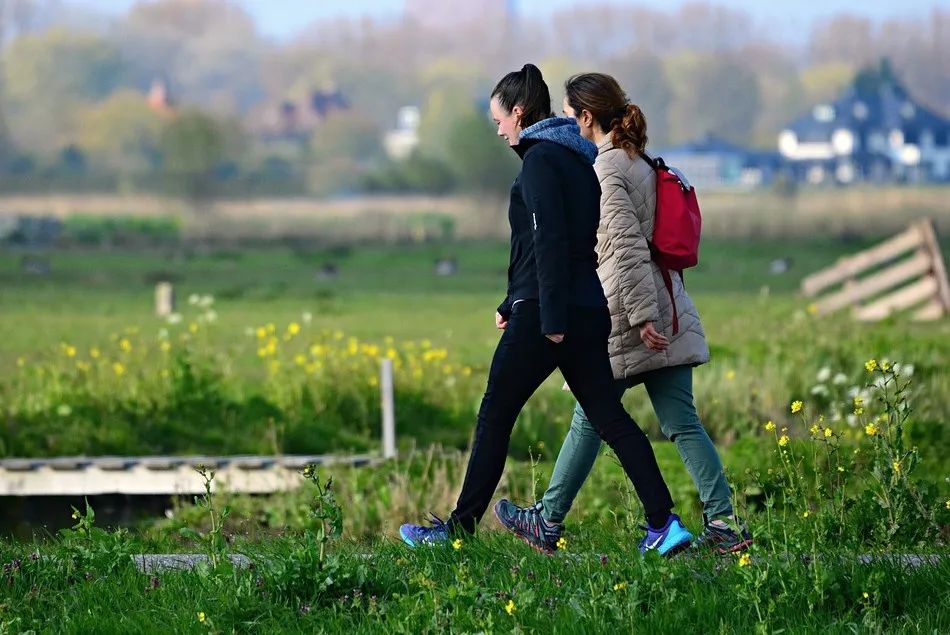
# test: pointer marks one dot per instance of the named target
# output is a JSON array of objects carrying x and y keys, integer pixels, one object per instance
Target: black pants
[{"x": 523, "y": 360}]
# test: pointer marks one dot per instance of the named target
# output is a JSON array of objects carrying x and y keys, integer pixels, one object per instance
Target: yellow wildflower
[
  {"x": 813, "y": 430},
  {"x": 865, "y": 595},
  {"x": 783, "y": 440},
  {"x": 118, "y": 369},
  {"x": 562, "y": 543},
  {"x": 69, "y": 350},
  {"x": 165, "y": 346},
  {"x": 457, "y": 544},
  {"x": 806, "y": 514},
  {"x": 897, "y": 467},
  {"x": 947, "y": 503},
  {"x": 813, "y": 308},
  {"x": 466, "y": 371},
  {"x": 620, "y": 586},
  {"x": 261, "y": 332},
  {"x": 293, "y": 328},
  {"x": 125, "y": 345},
  {"x": 859, "y": 411},
  {"x": 373, "y": 381},
  {"x": 193, "y": 327},
  {"x": 730, "y": 375},
  {"x": 300, "y": 360},
  {"x": 871, "y": 365},
  {"x": 840, "y": 469},
  {"x": 745, "y": 560},
  {"x": 391, "y": 353},
  {"x": 83, "y": 366},
  {"x": 870, "y": 429},
  {"x": 858, "y": 401},
  {"x": 885, "y": 366},
  {"x": 510, "y": 607},
  {"x": 76, "y": 514},
  {"x": 828, "y": 433},
  {"x": 797, "y": 406},
  {"x": 201, "y": 617},
  {"x": 769, "y": 426},
  {"x": 94, "y": 353},
  {"x": 270, "y": 328}
]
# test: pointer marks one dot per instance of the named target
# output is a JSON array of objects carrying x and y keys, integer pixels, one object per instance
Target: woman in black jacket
[{"x": 554, "y": 316}]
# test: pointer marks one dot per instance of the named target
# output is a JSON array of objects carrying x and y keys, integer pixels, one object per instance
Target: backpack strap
[{"x": 667, "y": 282}]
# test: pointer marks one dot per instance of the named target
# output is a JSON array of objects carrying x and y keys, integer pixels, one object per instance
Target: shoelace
[{"x": 436, "y": 524}]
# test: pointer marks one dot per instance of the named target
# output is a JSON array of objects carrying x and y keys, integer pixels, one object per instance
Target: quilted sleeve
[{"x": 634, "y": 271}]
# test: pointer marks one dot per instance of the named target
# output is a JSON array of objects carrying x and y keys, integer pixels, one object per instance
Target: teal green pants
[{"x": 671, "y": 393}]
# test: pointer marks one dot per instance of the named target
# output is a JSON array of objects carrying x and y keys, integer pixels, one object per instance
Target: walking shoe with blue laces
[{"x": 723, "y": 538}]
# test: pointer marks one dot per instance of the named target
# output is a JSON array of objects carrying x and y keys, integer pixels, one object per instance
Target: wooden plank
[
  {"x": 851, "y": 266},
  {"x": 903, "y": 298},
  {"x": 939, "y": 269},
  {"x": 933, "y": 310},
  {"x": 919, "y": 264}
]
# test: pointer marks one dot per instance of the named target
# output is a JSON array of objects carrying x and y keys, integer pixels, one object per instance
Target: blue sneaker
[
  {"x": 414, "y": 535},
  {"x": 670, "y": 540}
]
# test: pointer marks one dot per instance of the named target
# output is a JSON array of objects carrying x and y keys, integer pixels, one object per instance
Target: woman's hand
[
  {"x": 557, "y": 338},
  {"x": 654, "y": 340},
  {"x": 500, "y": 322}
]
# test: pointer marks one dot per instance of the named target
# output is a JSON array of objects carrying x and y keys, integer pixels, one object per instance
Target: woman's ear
[
  {"x": 518, "y": 112},
  {"x": 587, "y": 119}
]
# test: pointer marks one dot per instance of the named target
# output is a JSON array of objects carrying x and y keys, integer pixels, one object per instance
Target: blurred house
[
  {"x": 711, "y": 162},
  {"x": 159, "y": 98},
  {"x": 400, "y": 142},
  {"x": 298, "y": 118},
  {"x": 442, "y": 14},
  {"x": 874, "y": 132}
]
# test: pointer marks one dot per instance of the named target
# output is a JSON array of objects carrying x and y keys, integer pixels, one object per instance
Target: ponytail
[
  {"x": 525, "y": 88},
  {"x": 605, "y": 100}
]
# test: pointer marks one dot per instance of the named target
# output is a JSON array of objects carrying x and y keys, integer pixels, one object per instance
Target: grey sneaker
[
  {"x": 723, "y": 538},
  {"x": 527, "y": 524}
]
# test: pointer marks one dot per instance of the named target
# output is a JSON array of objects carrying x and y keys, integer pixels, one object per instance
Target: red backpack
[{"x": 676, "y": 229}]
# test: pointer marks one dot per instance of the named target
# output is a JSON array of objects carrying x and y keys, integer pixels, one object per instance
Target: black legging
[{"x": 523, "y": 359}]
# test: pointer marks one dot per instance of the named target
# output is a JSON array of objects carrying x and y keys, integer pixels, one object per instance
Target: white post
[
  {"x": 388, "y": 409},
  {"x": 164, "y": 299}
]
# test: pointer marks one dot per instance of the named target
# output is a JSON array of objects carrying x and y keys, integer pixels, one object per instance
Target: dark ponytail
[
  {"x": 604, "y": 99},
  {"x": 525, "y": 88}
]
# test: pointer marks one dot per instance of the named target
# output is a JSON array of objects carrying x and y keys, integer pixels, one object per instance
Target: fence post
[
  {"x": 164, "y": 299},
  {"x": 388, "y": 409}
]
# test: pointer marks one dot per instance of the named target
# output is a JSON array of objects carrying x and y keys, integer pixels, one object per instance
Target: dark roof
[
  {"x": 706, "y": 144},
  {"x": 875, "y": 101}
]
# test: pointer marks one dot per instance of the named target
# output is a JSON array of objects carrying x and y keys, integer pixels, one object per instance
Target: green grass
[{"x": 767, "y": 349}]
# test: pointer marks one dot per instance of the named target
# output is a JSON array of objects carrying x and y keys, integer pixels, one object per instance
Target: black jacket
[{"x": 554, "y": 212}]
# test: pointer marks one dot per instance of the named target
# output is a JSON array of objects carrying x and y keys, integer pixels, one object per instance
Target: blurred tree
[
  {"x": 843, "y": 38},
  {"x": 209, "y": 50},
  {"x": 346, "y": 135},
  {"x": 714, "y": 94},
  {"x": 194, "y": 145},
  {"x": 483, "y": 163},
  {"x": 824, "y": 82},
  {"x": 641, "y": 75},
  {"x": 122, "y": 134},
  {"x": 48, "y": 76}
]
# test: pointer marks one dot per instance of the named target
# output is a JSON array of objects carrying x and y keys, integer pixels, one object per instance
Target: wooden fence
[{"x": 903, "y": 273}]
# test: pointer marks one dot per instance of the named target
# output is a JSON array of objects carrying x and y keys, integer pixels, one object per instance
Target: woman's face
[
  {"x": 509, "y": 123},
  {"x": 584, "y": 119}
]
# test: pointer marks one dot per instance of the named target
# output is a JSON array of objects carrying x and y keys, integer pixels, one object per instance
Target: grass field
[{"x": 287, "y": 363}]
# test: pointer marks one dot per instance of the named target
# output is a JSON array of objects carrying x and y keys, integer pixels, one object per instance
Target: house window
[
  {"x": 908, "y": 110},
  {"x": 843, "y": 141},
  {"x": 788, "y": 143},
  {"x": 824, "y": 113},
  {"x": 860, "y": 110},
  {"x": 876, "y": 142}
]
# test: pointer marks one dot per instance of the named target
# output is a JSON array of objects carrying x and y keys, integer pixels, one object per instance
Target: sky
[{"x": 281, "y": 19}]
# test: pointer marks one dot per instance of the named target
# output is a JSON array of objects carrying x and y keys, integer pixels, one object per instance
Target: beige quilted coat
[{"x": 632, "y": 282}]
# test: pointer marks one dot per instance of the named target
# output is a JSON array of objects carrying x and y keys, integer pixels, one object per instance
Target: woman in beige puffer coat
[{"x": 643, "y": 347}]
